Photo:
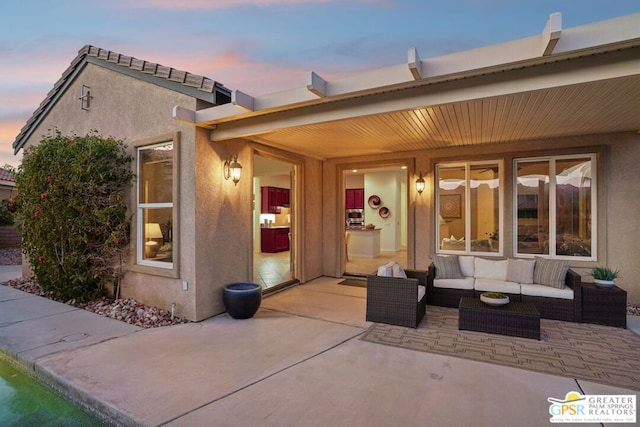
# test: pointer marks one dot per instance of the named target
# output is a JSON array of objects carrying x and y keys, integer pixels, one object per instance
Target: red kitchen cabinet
[
  {"x": 354, "y": 198},
  {"x": 285, "y": 197},
  {"x": 273, "y": 198},
  {"x": 274, "y": 239},
  {"x": 359, "y": 198}
]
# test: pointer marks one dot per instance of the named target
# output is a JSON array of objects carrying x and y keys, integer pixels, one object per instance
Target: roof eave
[{"x": 198, "y": 87}]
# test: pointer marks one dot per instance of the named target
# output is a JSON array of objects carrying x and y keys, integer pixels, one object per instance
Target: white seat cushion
[
  {"x": 464, "y": 283},
  {"x": 492, "y": 285},
  {"x": 547, "y": 291},
  {"x": 421, "y": 291}
]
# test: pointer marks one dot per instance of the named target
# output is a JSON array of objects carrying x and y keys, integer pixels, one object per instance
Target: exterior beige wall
[
  {"x": 223, "y": 217},
  {"x": 618, "y": 200},
  {"x": 314, "y": 211},
  {"x": 132, "y": 110},
  {"x": 223, "y": 241},
  {"x": 622, "y": 203}
]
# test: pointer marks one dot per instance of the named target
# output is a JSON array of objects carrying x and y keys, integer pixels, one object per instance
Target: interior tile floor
[
  {"x": 357, "y": 266},
  {"x": 271, "y": 269}
]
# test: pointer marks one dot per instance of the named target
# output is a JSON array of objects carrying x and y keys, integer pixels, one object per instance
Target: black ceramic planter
[{"x": 242, "y": 300}]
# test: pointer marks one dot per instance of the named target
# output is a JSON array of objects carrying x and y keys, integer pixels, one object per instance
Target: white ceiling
[{"x": 591, "y": 108}]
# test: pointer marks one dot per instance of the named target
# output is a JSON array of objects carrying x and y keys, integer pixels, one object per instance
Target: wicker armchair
[{"x": 395, "y": 301}]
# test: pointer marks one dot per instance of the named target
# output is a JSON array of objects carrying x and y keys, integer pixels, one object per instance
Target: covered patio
[
  {"x": 299, "y": 361},
  {"x": 566, "y": 91}
]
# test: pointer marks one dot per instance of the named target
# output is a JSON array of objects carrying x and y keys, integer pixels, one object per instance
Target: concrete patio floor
[{"x": 298, "y": 362}]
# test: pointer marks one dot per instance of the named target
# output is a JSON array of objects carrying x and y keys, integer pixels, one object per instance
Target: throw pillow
[
  {"x": 490, "y": 269},
  {"x": 398, "y": 271},
  {"x": 447, "y": 267},
  {"x": 520, "y": 270},
  {"x": 386, "y": 270},
  {"x": 550, "y": 272},
  {"x": 466, "y": 265}
]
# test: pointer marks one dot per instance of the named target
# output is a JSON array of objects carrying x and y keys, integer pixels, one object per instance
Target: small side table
[{"x": 605, "y": 306}]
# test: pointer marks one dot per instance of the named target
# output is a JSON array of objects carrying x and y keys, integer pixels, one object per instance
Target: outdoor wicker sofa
[
  {"x": 550, "y": 308},
  {"x": 397, "y": 301}
]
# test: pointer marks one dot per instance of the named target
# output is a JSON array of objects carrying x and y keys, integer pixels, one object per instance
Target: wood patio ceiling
[{"x": 591, "y": 108}]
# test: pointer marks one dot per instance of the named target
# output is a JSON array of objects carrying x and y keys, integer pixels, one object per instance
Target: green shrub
[
  {"x": 6, "y": 217},
  {"x": 71, "y": 213}
]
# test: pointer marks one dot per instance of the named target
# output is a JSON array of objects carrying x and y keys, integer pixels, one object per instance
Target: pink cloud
[{"x": 9, "y": 129}]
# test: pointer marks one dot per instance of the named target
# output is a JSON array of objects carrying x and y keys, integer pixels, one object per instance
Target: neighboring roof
[
  {"x": 7, "y": 179},
  {"x": 562, "y": 82},
  {"x": 190, "y": 84},
  {"x": 6, "y": 175}
]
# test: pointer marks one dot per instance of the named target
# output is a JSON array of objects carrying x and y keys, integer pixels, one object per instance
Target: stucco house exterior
[{"x": 527, "y": 148}]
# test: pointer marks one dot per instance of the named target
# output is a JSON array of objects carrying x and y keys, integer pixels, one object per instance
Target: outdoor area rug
[
  {"x": 595, "y": 353},
  {"x": 354, "y": 282}
]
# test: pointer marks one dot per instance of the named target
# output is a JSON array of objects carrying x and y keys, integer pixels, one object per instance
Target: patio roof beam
[
  {"x": 584, "y": 70},
  {"x": 316, "y": 85},
  {"x": 551, "y": 33},
  {"x": 415, "y": 64},
  {"x": 242, "y": 100}
]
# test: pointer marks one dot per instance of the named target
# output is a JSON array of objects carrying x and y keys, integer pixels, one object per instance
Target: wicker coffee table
[{"x": 518, "y": 319}]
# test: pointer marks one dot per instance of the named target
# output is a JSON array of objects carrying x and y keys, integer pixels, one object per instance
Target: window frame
[
  {"x": 553, "y": 159},
  {"x": 467, "y": 205},
  {"x": 139, "y": 264}
]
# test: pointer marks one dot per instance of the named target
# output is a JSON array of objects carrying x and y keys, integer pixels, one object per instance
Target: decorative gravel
[
  {"x": 126, "y": 310},
  {"x": 10, "y": 256}
]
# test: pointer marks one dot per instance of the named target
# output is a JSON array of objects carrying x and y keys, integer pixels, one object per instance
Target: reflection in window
[
  {"x": 554, "y": 206},
  {"x": 469, "y": 206},
  {"x": 533, "y": 208},
  {"x": 155, "y": 204}
]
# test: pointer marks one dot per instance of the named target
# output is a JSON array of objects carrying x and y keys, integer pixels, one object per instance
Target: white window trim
[
  {"x": 138, "y": 263},
  {"x": 467, "y": 204},
  {"x": 552, "y": 205}
]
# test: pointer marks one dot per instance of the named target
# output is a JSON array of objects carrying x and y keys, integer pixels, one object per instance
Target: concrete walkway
[{"x": 298, "y": 362}]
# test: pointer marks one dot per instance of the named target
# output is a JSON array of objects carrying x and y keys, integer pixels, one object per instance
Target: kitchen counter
[{"x": 364, "y": 242}]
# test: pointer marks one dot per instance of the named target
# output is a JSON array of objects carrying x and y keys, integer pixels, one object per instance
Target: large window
[
  {"x": 155, "y": 197},
  {"x": 554, "y": 206},
  {"x": 469, "y": 207}
]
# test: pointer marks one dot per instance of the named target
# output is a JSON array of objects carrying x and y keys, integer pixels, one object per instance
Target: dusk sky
[{"x": 257, "y": 46}]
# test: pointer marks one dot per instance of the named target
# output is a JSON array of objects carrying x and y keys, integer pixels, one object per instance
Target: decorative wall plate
[
  {"x": 384, "y": 212},
  {"x": 374, "y": 202}
]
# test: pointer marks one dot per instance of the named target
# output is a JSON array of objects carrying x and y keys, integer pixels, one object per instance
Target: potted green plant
[{"x": 604, "y": 276}]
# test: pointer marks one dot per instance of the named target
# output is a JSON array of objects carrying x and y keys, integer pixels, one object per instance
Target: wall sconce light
[
  {"x": 420, "y": 184},
  {"x": 232, "y": 169}
]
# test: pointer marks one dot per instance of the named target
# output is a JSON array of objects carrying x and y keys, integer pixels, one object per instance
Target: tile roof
[
  {"x": 199, "y": 87},
  {"x": 6, "y": 175}
]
